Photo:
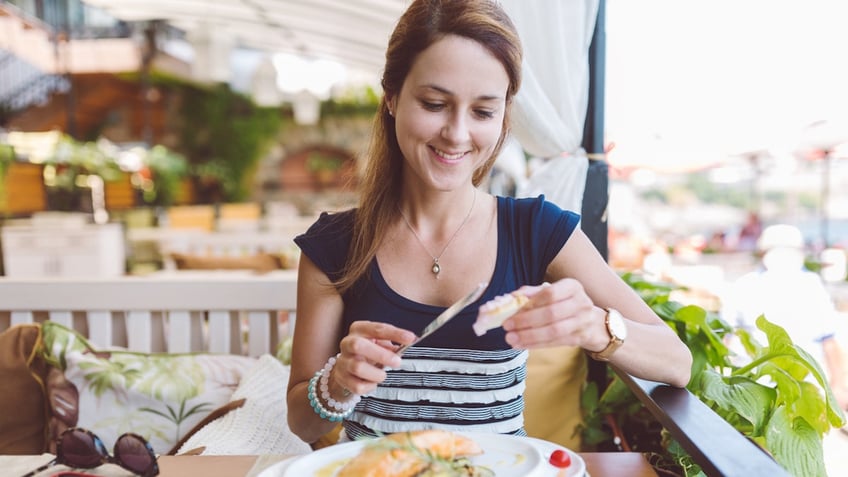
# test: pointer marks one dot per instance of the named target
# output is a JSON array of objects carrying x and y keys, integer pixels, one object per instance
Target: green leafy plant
[
  {"x": 318, "y": 161},
  {"x": 223, "y": 135},
  {"x": 69, "y": 167},
  {"x": 362, "y": 101},
  {"x": 72, "y": 159},
  {"x": 168, "y": 169},
  {"x": 775, "y": 393}
]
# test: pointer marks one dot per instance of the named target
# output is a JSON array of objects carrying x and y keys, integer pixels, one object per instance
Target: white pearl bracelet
[
  {"x": 321, "y": 380},
  {"x": 324, "y": 386}
]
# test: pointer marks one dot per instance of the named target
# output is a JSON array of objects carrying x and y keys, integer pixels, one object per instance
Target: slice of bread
[{"x": 494, "y": 312}]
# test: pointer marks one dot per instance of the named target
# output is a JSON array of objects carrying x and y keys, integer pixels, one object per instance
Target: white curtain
[{"x": 550, "y": 108}]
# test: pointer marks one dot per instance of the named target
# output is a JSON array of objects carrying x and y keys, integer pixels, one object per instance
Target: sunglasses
[{"x": 82, "y": 449}]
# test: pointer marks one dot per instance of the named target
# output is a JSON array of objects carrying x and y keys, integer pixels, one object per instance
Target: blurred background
[
  {"x": 194, "y": 128},
  {"x": 146, "y": 137}
]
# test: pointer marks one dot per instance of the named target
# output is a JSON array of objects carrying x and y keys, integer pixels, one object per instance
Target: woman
[{"x": 423, "y": 236}]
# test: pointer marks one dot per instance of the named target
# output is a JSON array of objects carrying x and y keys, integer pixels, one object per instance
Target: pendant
[{"x": 436, "y": 268}]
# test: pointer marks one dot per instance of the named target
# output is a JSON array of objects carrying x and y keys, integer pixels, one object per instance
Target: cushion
[
  {"x": 160, "y": 396},
  {"x": 23, "y": 408},
  {"x": 257, "y": 427},
  {"x": 555, "y": 378},
  {"x": 262, "y": 262}
]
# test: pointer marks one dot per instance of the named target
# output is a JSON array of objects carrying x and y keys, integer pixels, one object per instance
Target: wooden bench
[{"x": 222, "y": 312}]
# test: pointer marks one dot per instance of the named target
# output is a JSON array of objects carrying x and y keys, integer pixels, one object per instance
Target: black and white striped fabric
[{"x": 452, "y": 389}]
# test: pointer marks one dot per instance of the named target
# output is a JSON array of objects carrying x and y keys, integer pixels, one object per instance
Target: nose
[{"x": 455, "y": 128}]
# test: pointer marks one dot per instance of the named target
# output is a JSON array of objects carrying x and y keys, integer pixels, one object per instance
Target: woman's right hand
[{"x": 366, "y": 352}]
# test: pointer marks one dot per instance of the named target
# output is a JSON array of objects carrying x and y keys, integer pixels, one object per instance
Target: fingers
[
  {"x": 550, "y": 303},
  {"x": 557, "y": 314},
  {"x": 366, "y": 351}
]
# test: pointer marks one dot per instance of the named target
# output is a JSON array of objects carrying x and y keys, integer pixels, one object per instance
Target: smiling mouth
[{"x": 450, "y": 157}]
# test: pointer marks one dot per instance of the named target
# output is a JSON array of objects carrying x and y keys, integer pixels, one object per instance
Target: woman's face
[{"x": 449, "y": 112}]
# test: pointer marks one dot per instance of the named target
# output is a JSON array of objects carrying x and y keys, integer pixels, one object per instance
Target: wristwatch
[{"x": 617, "y": 330}]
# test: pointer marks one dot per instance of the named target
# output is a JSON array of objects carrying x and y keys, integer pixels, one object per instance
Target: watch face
[{"x": 616, "y": 325}]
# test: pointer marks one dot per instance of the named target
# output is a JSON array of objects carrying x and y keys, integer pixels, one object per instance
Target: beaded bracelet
[
  {"x": 343, "y": 410},
  {"x": 324, "y": 386}
]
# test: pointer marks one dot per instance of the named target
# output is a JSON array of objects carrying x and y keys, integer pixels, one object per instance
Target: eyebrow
[{"x": 485, "y": 97}]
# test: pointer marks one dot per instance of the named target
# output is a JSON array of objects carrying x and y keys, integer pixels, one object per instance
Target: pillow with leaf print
[{"x": 160, "y": 396}]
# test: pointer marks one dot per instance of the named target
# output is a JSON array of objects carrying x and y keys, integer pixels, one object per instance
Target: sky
[{"x": 699, "y": 80}]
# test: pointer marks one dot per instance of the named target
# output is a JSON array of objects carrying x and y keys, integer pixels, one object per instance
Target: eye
[
  {"x": 432, "y": 106},
  {"x": 484, "y": 113}
]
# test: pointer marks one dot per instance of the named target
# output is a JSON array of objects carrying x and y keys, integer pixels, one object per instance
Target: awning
[{"x": 352, "y": 32}]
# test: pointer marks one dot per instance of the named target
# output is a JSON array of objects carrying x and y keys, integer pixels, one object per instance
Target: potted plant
[
  {"x": 776, "y": 395},
  {"x": 166, "y": 169},
  {"x": 67, "y": 169},
  {"x": 324, "y": 167}
]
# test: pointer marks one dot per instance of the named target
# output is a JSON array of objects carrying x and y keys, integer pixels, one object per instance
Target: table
[
  {"x": 57, "y": 250},
  {"x": 599, "y": 464}
]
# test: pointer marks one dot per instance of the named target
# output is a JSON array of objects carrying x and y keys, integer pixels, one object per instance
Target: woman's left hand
[{"x": 558, "y": 314}]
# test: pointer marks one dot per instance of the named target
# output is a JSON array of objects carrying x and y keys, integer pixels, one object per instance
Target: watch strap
[{"x": 614, "y": 343}]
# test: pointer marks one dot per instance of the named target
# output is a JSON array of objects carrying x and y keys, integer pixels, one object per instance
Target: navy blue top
[{"x": 453, "y": 379}]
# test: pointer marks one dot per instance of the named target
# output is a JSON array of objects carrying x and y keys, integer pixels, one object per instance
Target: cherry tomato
[{"x": 560, "y": 458}]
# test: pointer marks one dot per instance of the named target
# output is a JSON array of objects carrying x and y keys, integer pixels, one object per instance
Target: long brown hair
[{"x": 423, "y": 23}]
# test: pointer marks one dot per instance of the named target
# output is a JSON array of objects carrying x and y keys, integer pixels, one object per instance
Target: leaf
[
  {"x": 749, "y": 343},
  {"x": 593, "y": 436},
  {"x": 802, "y": 398},
  {"x": 198, "y": 408},
  {"x": 788, "y": 386},
  {"x": 589, "y": 398},
  {"x": 616, "y": 395},
  {"x": 666, "y": 310},
  {"x": 795, "y": 444},
  {"x": 812, "y": 410},
  {"x": 779, "y": 342},
  {"x": 158, "y": 413},
  {"x": 741, "y": 395},
  {"x": 690, "y": 468}
]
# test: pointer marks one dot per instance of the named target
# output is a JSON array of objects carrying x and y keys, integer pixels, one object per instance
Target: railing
[
  {"x": 221, "y": 312},
  {"x": 712, "y": 442},
  {"x": 23, "y": 85}
]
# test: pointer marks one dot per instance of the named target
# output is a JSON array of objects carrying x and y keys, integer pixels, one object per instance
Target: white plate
[
  {"x": 508, "y": 456},
  {"x": 577, "y": 467}
]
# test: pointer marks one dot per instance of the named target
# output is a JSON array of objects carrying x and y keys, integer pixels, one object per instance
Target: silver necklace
[{"x": 437, "y": 267}]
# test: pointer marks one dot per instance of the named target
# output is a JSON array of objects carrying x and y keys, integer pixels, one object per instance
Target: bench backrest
[{"x": 221, "y": 312}]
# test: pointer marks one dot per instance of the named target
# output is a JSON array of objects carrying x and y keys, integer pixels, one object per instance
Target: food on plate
[
  {"x": 560, "y": 458},
  {"x": 494, "y": 312},
  {"x": 417, "y": 453}
]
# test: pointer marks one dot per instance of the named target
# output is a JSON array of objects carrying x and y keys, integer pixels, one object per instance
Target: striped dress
[
  {"x": 452, "y": 389},
  {"x": 452, "y": 379}
]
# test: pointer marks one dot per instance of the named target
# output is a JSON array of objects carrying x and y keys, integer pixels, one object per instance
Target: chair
[
  {"x": 191, "y": 217},
  {"x": 244, "y": 216}
]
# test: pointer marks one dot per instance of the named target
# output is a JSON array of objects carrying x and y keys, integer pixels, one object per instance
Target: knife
[{"x": 446, "y": 315}]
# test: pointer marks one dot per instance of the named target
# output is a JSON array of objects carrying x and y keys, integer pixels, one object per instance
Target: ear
[{"x": 390, "y": 105}]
